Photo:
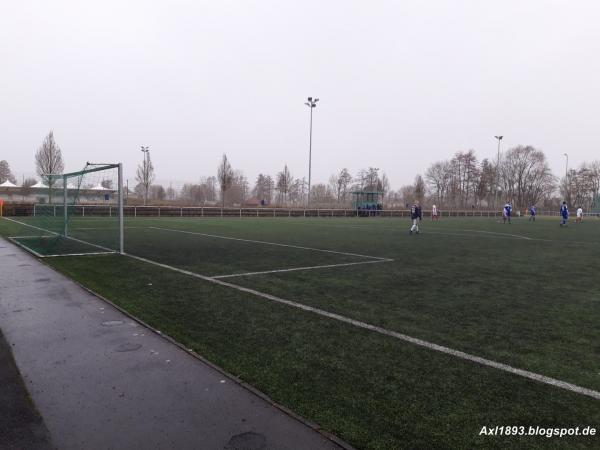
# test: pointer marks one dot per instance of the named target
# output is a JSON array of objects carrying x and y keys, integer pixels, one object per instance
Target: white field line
[
  {"x": 502, "y": 234},
  {"x": 79, "y": 254},
  {"x": 403, "y": 337},
  {"x": 293, "y": 269},
  {"x": 32, "y": 237},
  {"x": 104, "y": 228},
  {"x": 13, "y": 240},
  {"x": 492, "y": 234},
  {"x": 108, "y": 250},
  {"x": 267, "y": 243}
]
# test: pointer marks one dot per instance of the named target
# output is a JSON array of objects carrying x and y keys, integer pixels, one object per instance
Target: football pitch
[{"x": 385, "y": 339}]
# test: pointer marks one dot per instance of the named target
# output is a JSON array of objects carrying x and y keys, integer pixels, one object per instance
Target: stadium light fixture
[{"x": 311, "y": 104}]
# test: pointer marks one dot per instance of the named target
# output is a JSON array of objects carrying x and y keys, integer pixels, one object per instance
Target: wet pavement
[{"x": 103, "y": 381}]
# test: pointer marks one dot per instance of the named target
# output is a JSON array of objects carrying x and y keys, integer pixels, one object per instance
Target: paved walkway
[{"x": 102, "y": 381}]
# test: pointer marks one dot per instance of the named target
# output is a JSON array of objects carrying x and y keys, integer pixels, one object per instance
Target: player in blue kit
[
  {"x": 532, "y": 212},
  {"x": 507, "y": 213},
  {"x": 564, "y": 212}
]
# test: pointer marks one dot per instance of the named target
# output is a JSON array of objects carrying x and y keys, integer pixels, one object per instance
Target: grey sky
[{"x": 401, "y": 84}]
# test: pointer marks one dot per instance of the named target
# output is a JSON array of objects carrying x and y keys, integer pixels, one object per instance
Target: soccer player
[
  {"x": 579, "y": 215},
  {"x": 564, "y": 212},
  {"x": 434, "y": 213},
  {"x": 532, "y": 212},
  {"x": 416, "y": 214},
  {"x": 506, "y": 213}
]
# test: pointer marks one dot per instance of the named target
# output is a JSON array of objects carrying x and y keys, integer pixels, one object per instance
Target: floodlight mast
[
  {"x": 312, "y": 103},
  {"x": 498, "y": 169},
  {"x": 567, "y": 177}
]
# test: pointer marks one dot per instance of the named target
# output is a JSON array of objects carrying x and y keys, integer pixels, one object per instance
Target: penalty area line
[
  {"x": 293, "y": 269},
  {"x": 267, "y": 243},
  {"x": 400, "y": 336}
]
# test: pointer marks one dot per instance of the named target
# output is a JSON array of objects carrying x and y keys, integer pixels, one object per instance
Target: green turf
[{"x": 532, "y": 303}]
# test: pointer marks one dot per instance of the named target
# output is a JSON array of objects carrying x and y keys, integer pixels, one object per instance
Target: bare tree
[
  {"x": 26, "y": 189},
  {"x": 198, "y": 194},
  {"x": 582, "y": 185},
  {"x": 238, "y": 191},
  {"x": 525, "y": 176},
  {"x": 48, "y": 161},
  {"x": 284, "y": 183},
  {"x": 342, "y": 182},
  {"x": 171, "y": 193},
  {"x": 419, "y": 189},
  {"x": 145, "y": 176},
  {"x": 158, "y": 192},
  {"x": 465, "y": 174},
  {"x": 5, "y": 173},
  {"x": 372, "y": 182},
  {"x": 438, "y": 177},
  {"x": 263, "y": 189},
  {"x": 225, "y": 177},
  {"x": 407, "y": 194},
  {"x": 321, "y": 195},
  {"x": 486, "y": 185}
]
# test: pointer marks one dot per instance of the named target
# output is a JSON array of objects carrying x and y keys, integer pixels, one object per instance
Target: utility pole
[
  {"x": 497, "y": 171},
  {"x": 311, "y": 104},
  {"x": 567, "y": 178}
]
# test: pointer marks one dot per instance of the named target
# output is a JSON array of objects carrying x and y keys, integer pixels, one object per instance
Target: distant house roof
[{"x": 7, "y": 183}]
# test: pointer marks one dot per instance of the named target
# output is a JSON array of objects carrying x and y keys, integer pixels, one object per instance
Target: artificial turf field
[{"x": 526, "y": 295}]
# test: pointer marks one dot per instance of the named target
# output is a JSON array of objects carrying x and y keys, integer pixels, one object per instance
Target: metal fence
[{"x": 211, "y": 211}]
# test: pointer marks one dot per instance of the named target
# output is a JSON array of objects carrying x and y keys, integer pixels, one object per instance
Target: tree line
[{"x": 520, "y": 175}]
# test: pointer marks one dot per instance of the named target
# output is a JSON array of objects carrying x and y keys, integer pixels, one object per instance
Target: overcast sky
[{"x": 401, "y": 83}]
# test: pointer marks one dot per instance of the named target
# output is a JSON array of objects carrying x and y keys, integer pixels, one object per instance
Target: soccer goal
[{"x": 78, "y": 213}]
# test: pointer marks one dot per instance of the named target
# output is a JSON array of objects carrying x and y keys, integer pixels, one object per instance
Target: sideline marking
[
  {"x": 403, "y": 337},
  {"x": 502, "y": 234},
  {"x": 267, "y": 243},
  {"x": 301, "y": 268}
]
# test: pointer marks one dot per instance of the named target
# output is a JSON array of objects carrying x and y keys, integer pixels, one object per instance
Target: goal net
[{"x": 77, "y": 213}]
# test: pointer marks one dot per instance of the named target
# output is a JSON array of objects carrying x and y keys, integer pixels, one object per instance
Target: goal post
[{"x": 78, "y": 213}]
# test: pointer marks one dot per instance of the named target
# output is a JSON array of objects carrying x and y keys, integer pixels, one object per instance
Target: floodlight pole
[
  {"x": 311, "y": 104},
  {"x": 567, "y": 176},
  {"x": 121, "y": 225},
  {"x": 498, "y": 169}
]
